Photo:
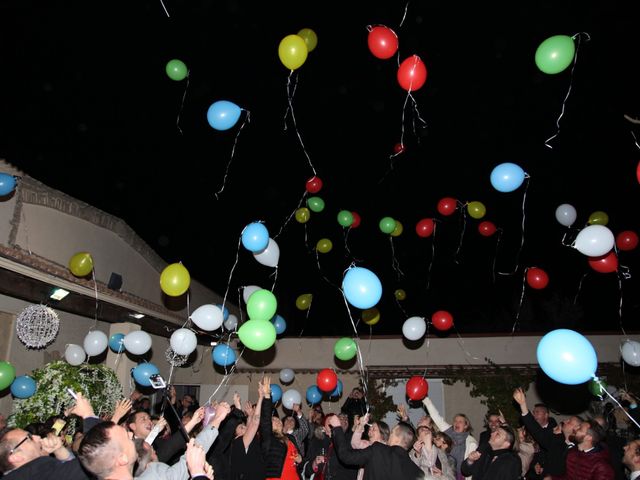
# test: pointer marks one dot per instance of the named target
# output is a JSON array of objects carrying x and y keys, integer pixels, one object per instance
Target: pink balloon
[{"x": 209, "y": 413}]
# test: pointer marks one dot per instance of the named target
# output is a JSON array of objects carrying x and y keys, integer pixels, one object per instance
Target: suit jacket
[
  {"x": 553, "y": 444},
  {"x": 48, "y": 467}
]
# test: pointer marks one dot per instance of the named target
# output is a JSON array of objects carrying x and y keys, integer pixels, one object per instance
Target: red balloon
[
  {"x": 537, "y": 278},
  {"x": 412, "y": 73},
  {"x": 627, "y": 240},
  {"x": 417, "y": 388},
  {"x": 356, "y": 220},
  {"x": 425, "y": 227},
  {"x": 383, "y": 42},
  {"x": 638, "y": 172},
  {"x": 398, "y": 148},
  {"x": 442, "y": 320},
  {"x": 327, "y": 380},
  {"x": 605, "y": 264},
  {"x": 447, "y": 206},
  {"x": 487, "y": 228},
  {"x": 314, "y": 185}
]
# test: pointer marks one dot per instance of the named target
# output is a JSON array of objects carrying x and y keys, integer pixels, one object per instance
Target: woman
[
  {"x": 378, "y": 432},
  {"x": 526, "y": 449},
  {"x": 445, "y": 443},
  {"x": 431, "y": 459},
  {"x": 245, "y": 455}
]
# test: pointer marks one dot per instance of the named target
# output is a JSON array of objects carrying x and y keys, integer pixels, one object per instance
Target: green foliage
[{"x": 379, "y": 402}]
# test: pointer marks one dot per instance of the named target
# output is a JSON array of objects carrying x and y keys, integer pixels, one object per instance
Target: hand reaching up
[
  {"x": 122, "y": 407},
  {"x": 196, "y": 458}
]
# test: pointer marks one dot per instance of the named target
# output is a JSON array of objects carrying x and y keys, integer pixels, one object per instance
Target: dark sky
[{"x": 88, "y": 109}]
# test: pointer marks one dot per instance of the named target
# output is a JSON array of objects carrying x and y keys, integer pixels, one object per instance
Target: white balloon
[
  {"x": 95, "y": 343},
  {"x": 231, "y": 323},
  {"x": 137, "y": 342},
  {"x": 595, "y": 240},
  {"x": 183, "y": 341},
  {"x": 208, "y": 317},
  {"x": 74, "y": 354},
  {"x": 414, "y": 328},
  {"x": 270, "y": 255},
  {"x": 566, "y": 214},
  {"x": 286, "y": 375},
  {"x": 248, "y": 290},
  {"x": 290, "y": 397},
  {"x": 630, "y": 351}
]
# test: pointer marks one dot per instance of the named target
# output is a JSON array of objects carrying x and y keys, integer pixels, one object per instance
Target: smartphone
[
  {"x": 72, "y": 393},
  {"x": 157, "y": 381}
]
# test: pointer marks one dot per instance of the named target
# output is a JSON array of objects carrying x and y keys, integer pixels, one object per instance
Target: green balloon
[
  {"x": 555, "y": 54},
  {"x": 387, "y": 225},
  {"x": 262, "y": 305},
  {"x": 345, "y": 218},
  {"x": 176, "y": 70},
  {"x": 7, "y": 374},
  {"x": 257, "y": 335},
  {"x": 597, "y": 388},
  {"x": 316, "y": 204},
  {"x": 345, "y": 348}
]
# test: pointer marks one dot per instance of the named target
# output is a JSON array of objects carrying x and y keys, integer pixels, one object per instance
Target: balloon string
[
  {"x": 115, "y": 364},
  {"x": 416, "y": 115},
  {"x": 394, "y": 261},
  {"x": 95, "y": 290},
  {"x": 226, "y": 292},
  {"x": 306, "y": 319},
  {"x": 233, "y": 151},
  {"x": 427, "y": 350},
  {"x": 524, "y": 201},
  {"x": 456, "y": 256},
  {"x": 462, "y": 347},
  {"x": 515, "y": 323},
  {"x": 495, "y": 255},
  {"x": 363, "y": 374},
  {"x": 635, "y": 140},
  {"x": 406, "y": 7},
  {"x": 275, "y": 279},
  {"x": 286, "y": 222},
  {"x": 620, "y": 305},
  {"x": 603, "y": 389},
  {"x": 165, "y": 9},
  {"x": 306, "y": 238},
  {"x": 345, "y": 233},
  {"x": 433, "y": 255},
  {"x": 575, "y": 299},
  {"x": 290, "y": 94},
  {"x": 624, "y": 376},
  {"x": 226, "y": 377},
  {"x": 401, "y": 308},
  {"x": 322, "y": 273},
  {"x": 184, "y": 96}
]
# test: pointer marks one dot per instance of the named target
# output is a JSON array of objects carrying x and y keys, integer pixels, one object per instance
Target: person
[
  {"x": 631, "y": 459},
  {"x": 378, "y": 432},
  {"x": 245, "y": 455},
  {"x": 297, "y": 427},
  {"x": 492, "y": 421},
  {"x": 321, "y": 461},
  {"x": 526, "y": 449},
  {"x": 355, "y": 404},
  {"x": 589, "y": 461},
  {"x": 445, "y": 443},
  {"x": 496, "y": 460},
  {"x": 431, "y": 459}
]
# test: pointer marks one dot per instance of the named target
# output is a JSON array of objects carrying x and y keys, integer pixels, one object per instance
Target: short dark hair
[
  {"x": 541, "y": 405},
  {"x": 446, "y": 439},
  {"x": 96, "y": 452},
  {"x": 132, "y": 417},
  {"x": 511, "y": 435},
  {"x": 596, "y": 431},
  {"x": 385, "y": 431}
]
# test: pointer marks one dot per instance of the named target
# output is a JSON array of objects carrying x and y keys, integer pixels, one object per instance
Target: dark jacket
[
  {"x": 274, "y": 451},
  {"x": 219, "y": 454},
  {"x": 49, "y": 467},
  {"x": 553, "y": 444},
  {"x": 334, "y": 469},
  {"x": 494, "y": 465},
  {"x": 592, "y": 465}
]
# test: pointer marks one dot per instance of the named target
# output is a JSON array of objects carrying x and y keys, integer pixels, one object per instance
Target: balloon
[
  {"x": 338, "y": 390},
  {"x": 276, "y": 393},
  {"x": 387, "y": 225},
  {"x": 231, "y": 323},
  {"x": 116, "y": 342},
  {"x": 356, "y": 220},
  {"x": 313, "y": 185},
  {"x": 137, "y": 342},
  {"x": 286, "y": 375},
  {"x": 324, "y": 245},
  {"x": 290, "y": 398},
  {"x": 316, "y": 204},
  {"x": 262, "y": 305},
  {"x": 255, "y": 237},
  {"x": 345, "y": 349},
  {"x": 607, "y": 263},
  {"x": 7, "y": 184},
  {"x": 598, "y": 218},
  {"x": 7, "y": 374},
  {"x": 597, "y": 388},
  {"x": 417, "y": 388},
  {"x": 447, "y": 206},
  {"x": 555, "y": 54},
  {"x": 223, "y": 355},
  {"x": 537, "y": 278},
  {"x": 361, "y": 287},
  {"x": 638, "y": 172},
  {"x": 279, "y": 323},
  {"x": 303, "y": 302},
  {"x": 314, "y": 395},
  {"x": 398, "y": 148},
  {"x": 567, "y": 357},
  {"x": 627, "y": 240},
  {"x": 412, "y": 73},
  {"x": 257, "y": 335},
  {"x": 397, "y": 230},
  {"x": 425, "y": 227},
  {"x": 310, "y": 38},
  {"x": 476, "y": 210},
  {"x": 23, "y": 387},
  {"x": 507, "y": 177},
  {"x": 81, "y": 264},
  {"x": 248, "y": 290},
  {"x": 183, "y": 341},
  {"x": 345, "y": 218},
  {"x": 208, "y": 317},
  {"x": 371, "y": 316},
  {"x": 176, "y": 70},
  {"x": 74, "y": 354},
  {"x": 594, "y": 240},
  {"x": 327, "y": 380},
  {"x": 383, "y": 42},
  {"x": 225, "y": 310},
  {"x": 442, "y": 320},
  {"x": 175, "y": 280},
  {"x": 95, "y": 342},
  {"x": 414, "y": 328},
  {"x": 143, "y": 372},
  {"x": 630, "y": 351},
  {"x": 487, "y": 228},
  {"x": 566, "y": 214},
  {"x": 292, "y": 51},
  {"x": 223, "y": 115},
  {"x": 302, "y": 215},
  {"x": 270, "y": 255},
  {"x": 400, "y": 294},
  {"x": 209, "y": 413}
]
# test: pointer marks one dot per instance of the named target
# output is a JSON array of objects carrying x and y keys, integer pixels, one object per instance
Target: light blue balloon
[
  {"x": 223, "y": 355},
  {"x": 279, "y": 323},
  {"x": 362, "y": 288},
  {"x": 276, "y": 393},
  {"x": 143, "y": 372},
  {"x": 7, "y": 184},
  {"x": 222, "y": 115},
  {"x": 23, "y": 387},
  {"x": 507, "y": 177},
  {"x": 567, "y": 357},
  {"x": 338, "y": 390},
  {"x": 225, "y": 311},
  {"x": 255, "y": 237},
  {"x": 314, "y": 395},
  {"x": 116, "y": 342}
]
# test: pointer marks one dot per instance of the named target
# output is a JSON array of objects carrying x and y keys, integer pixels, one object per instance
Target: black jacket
[
  {"x": 274, "y": 451},
  {"x": 553, "y": 445},
  {"x": 49, "y": 467},
  {"x": 334, "y": 469},
  {"x": 494, "y": 465}
]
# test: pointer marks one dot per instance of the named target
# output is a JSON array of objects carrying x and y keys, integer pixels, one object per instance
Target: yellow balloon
[
  {"x": 324, "y": 245},
  {"x": 476, "y": 209},
  {"x": 310, "y": 38},
  {"x": 292, "y": 51},
  {"x": 303, "y": 302},
  {"x": 371, "y": 316},
  {"x": 598, "y": 218},
  {"x": 397, "y": 231},
  {"x": 400, "y": 294},
  {"x": 175, "y": 280},
  {"x": 303, "y": 215},
  {"x": 81, "y": 264}
]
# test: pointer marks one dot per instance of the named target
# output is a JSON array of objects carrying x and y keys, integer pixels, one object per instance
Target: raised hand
[
  {"x": 83, "y": 407},
  {"x": 122, "y": 407},
  {"x": 195, "y": 457},
  {"x": 402, "y": 412},
  {"x": 237, "y": 402}
]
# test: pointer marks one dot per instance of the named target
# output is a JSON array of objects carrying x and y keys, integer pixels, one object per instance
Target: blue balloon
[
  {"x": 222, "y": 115},
  {"x": 567, "y": 357},
  {"x": 143, "y": 371},
  {"x": 279, "y": 323},
  {"x": 362, "y": 288},
  {"x": 225, "y": 312},
  {"x": 276, "y": 393},
  {"x": 314, "y": 395},
  {"x": 7, "y": 184},
  {"x": 23, "y": 387},
  {"x": 507, "y": 177},
  {"x": 116, "y": 342},
  {"x": 255, "y": 237},
  {"x": 223, "y": 355},
  {"x": 338, "y": 390}
]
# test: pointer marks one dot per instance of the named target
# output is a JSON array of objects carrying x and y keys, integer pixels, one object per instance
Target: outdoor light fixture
[
  {"x": 58, "y": 294},
  {"x": 137, "y": 316}
]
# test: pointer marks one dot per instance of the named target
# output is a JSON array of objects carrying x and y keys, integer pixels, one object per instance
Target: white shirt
[{"x": 634, "y": 475}]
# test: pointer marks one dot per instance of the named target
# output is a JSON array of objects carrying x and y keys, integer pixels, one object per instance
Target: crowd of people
[{"x": 252, "y": 441}]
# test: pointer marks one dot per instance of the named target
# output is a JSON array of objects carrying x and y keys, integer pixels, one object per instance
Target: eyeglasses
[{"x": 28, "y": 437}]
